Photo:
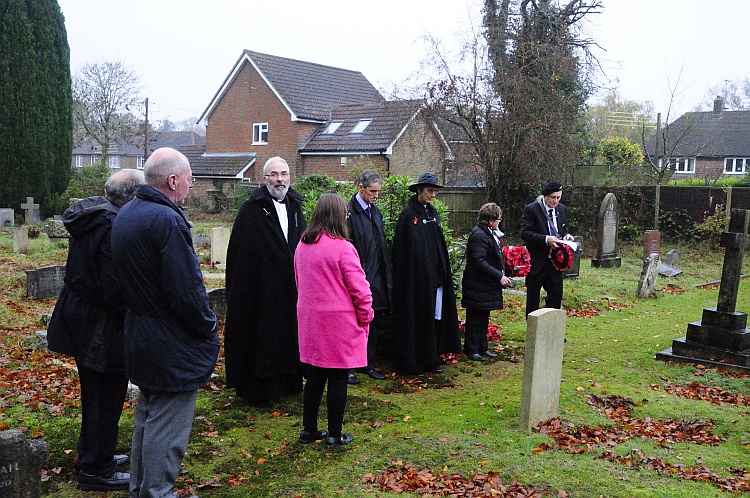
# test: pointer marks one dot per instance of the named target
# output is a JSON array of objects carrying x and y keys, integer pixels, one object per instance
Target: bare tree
[{"x": 105, "y": 95}]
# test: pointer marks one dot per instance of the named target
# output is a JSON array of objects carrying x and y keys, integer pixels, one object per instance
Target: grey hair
[
  {"x": 368, "y": 177},
  {"x": 121, "y": 186},
  {"x": 162, "y": 163},
  {"x": 489, "y": 212},
  {"x": 275, "y": 159}
]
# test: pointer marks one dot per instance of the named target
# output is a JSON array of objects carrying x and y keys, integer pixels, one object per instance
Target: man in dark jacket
[
  {"x": 544, "y": 226},
  {"x": 87, "y": 324},
  {"x": 366, "y": 233},
  {"x": 171, "y": 344},
  {"x": 260, "y": 339},
  {"x": 424, "y": 301}
]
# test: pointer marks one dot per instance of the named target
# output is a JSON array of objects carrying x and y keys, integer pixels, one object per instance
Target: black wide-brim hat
[
  {"x": 561, "y": 257},
  {"x": 426, "y": 179}
]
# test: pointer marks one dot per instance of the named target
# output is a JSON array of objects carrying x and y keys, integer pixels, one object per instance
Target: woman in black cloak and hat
[{"x": 424, "y": 301}]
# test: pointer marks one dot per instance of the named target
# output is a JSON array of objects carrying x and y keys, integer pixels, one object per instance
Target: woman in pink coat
[{"x": 334, "y": 311}]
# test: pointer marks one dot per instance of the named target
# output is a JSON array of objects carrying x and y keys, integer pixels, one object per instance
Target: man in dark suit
[{"x": 543, "y": 226}]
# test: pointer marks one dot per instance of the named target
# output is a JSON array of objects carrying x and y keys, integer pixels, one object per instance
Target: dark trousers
[
  {"x": 551, "y": 281},
  {"x": 336, "y": 399},
  {"x": 475, "y": 331},
  {"x": 102, "y": 397}
]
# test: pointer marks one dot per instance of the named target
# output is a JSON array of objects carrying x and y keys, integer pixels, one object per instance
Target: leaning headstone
[
  {"x": 21, "y": 463},
  {"x": 651, "y": 243},
  {"x": 649, "y": 275},
  {"x": 55, "y": 230},
  {"x": 7, "y": 217},
  {"x": 21, "y": 240},
  {"x": 45, "y": 282},
  {"x": 721, "y": 338},
  {"x": 542, "y": 369},
  {"x": 219, "y": 244},
  {"x": 607, "y": 222},
  {"x": 217, "y": 300},
  {"x": 31, "y": 212},
  {"x": 575, "y": 268}
]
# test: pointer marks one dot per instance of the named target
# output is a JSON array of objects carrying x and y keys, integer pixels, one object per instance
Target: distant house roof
[
  {"x": 134, "y": 146},
  {"x": 364, "y": 128},
  {"x": 307, "y": 90},
  {"x": 715, "y": 133},
  {"x": 217, "y": 165}
]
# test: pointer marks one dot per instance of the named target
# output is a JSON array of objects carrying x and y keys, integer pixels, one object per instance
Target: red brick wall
[{"x": 331, "y": 165}]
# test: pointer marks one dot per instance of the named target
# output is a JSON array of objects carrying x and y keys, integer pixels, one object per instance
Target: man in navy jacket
[
  {"x": 543, "y": 226},
  {"x": 171, "y": 344}
]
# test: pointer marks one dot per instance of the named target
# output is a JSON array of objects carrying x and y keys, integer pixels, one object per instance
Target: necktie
[
  {"x": 551, "y": 222},
  {"x": 368, "y": 211}
]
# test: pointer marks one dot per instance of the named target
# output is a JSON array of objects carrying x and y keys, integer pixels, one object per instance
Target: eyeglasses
[{"x": 275, "y": 175}]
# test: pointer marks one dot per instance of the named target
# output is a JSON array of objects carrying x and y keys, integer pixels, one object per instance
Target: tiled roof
[
  {"x": 389, "y": 119},
  {"x": 204, "y": 164},
  {"x": 709, "y": 134},
  {"x": 134, "y": 146}
]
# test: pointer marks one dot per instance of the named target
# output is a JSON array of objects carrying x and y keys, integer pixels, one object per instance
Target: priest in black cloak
[
  {"x": 260, "y": 338},
  {"x": 424, "y": 301}
]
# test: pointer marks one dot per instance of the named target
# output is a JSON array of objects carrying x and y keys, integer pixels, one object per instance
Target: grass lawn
[{"x": 629, "y": 426}]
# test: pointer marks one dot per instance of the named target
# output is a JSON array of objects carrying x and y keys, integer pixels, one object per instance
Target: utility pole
[
  {"x": 663, "y": 164},
  {"x": 145, "y": 134}
]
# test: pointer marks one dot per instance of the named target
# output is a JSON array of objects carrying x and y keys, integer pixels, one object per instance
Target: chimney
[{"x": 718, "y": 105}]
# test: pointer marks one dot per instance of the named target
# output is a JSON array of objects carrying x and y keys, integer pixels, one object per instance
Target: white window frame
[
  {"x": 332, "y": 127},
  {"x": 95, "y": 159},
  {"x": 139, "y": 162},
  {"x": 260, "y": 133},
  {"x": 114, "y": 162},
  {"x": 79, "y": 161},
  {"x": 361, "y": 126},
  {"x": 681, "y": 165},
  {"x": 736, "y": 165}
]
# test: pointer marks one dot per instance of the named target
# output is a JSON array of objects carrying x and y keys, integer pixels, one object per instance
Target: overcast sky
[{"x": 183, "y": 49}]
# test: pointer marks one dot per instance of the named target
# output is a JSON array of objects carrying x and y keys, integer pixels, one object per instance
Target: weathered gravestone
[
  {"x": 575, "y": 268},
  {"x": 217, "y": 300},
  {"x": 21, "y": 240},
  {"x": 649, "y": 275},
  {"x": 651, "y": 243},
  {"x": 31, "y": 212},
  {"x": 219, "y": 244},
  {"x": 607, "y": 223},
  {"x": 721, "y": 338},
  {"x": 55, "y": 230},
  {"x": 542, "y": 366},
  {"x": 7, "y": 217},
  {"x": 21, "y": 463},
  {"x": 45, "y": 282},
  {"x": 668, "y": 266}
]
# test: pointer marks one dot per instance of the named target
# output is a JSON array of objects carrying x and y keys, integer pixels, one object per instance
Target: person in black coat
[
  {"x": 424, "y": 301},
  {"x": 366, "y": 232},
  {"x": 260, "y": 338},
  {"x": 483, "y": 280},
  {"x": 544, "y": 226},
  {"x": 87, "y": 324}
]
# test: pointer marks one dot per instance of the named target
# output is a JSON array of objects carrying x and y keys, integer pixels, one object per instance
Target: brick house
[
  {"x": 321, "y": 119},
  {"x": 708, "y": 144}
]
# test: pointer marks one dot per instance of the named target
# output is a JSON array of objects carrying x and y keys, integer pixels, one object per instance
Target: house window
[
  {"x": 260, "y": 133},
  {"x": 79, "y": 161},
  {"x": 331, "y": 129},
  {"x": 736, "y": 165},
  {"x": 683, "y": 165},
  {"x": 361, "y": 126},
  {"x": 139, "y": 162},
  {"x": 114, "y": 162},
  {"x": 94, "y": 159}
]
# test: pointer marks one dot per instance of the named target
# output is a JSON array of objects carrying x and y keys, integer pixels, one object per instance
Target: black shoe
[
  {"x": 118, "y": 480},
  {"x": 437, "y": 370},
  {"x": 476, "y": 357},
  {"x": 312, "y": 437},
  {"x": 352, "y": 379},
  {"x": 121, "y": 460},
  {"x": 339, "y": 440},
  {"x": 374, "y": 374},
  {"x": 489, "y": 354}
]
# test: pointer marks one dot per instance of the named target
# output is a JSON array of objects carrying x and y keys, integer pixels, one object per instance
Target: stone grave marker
[
  {"x": 55, "y": 230},
  {"x": 21, "y": 240},
  {"x": 219, "y": 244},
  {"x": 31, "y": 212},
  {"x": 542, "y": 366},
  {"x": 607, "y": 223},
  {"x": 649, "y": 275},
  {"x": 217, "y": 300},
  {"x": 651, "y": 243},
  {"x": 7, "y": 217},
  {"x": 21, "y": 463},
  {"x": 45, "y": 282},
  {"x": 672, "y": 257},
  {"x": 721, "y": 338},
  {"x": 575, "y": 268}
]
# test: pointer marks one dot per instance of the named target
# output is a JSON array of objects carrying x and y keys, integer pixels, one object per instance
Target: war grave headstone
[
  {"x": 219, "y": 244},
  {"x": 649, "y": 276},
  {"x": 21, "y": 463},
  {"x": 45, "y": 282},
  {"x": 542, "y": 369},
  {"x": 607, "y": 223},
  {"x": 7, "y": 217},
  {"x": 21, "y": 240},
  {"x": 31, "y": 212},
  {"x": 721, "y": 338}
]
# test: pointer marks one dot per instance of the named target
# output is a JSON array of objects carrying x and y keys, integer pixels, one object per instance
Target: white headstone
[
  {"x": 219, "y": 244},
  {"x": 21, "y": 240}
]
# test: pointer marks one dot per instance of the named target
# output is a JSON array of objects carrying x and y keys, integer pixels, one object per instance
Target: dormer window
[
  {"x": 331, "y": 128},
  {"x": 361, "y": 126}
]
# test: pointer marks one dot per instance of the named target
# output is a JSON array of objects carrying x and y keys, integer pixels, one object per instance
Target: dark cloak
[
  {"x": 260, "y": 338},
  {"x": 420, "y": 266}
]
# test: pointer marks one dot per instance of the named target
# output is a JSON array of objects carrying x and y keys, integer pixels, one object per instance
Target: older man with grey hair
[{"x": 260, "y": 338}]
